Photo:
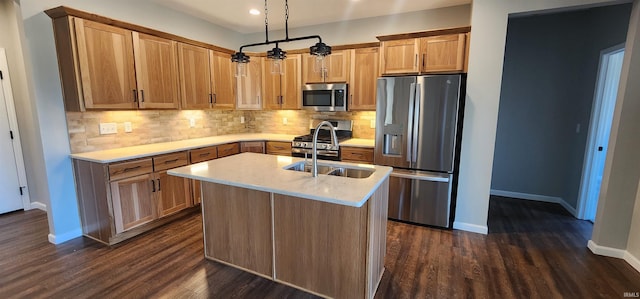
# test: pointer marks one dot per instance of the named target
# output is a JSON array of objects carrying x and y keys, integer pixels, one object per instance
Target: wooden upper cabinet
[
  {"x": 336, "y": 68},
  {"x": 195, "y": 77},
  {"x": 222, "y": 80},
  {"x": 444, "y": 53},
  {"x": 291, "y": 85},
  {"x": 106, "y": 63},
  {"x": 282, "y": 91},
  {"x": 156, "y": 71},
  {"x": 399, "y": 56},
  {"x": 249, "y": 87},
  {"x": 364, "y": 73}
]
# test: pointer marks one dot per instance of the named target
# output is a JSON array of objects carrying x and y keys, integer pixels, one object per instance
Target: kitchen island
[{"x": 325, "y": 235}]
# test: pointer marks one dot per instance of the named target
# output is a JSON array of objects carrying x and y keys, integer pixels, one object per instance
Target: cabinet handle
[
  {"x": 258, "y": 99},
  {"x": 141, "y": 96},
  {"x": 135, "y": 95},
  {"x": 416, "y": 62},
  {"x": 205, "y": 154},
  {"x": 131, "y": 168},
  {"x": 153, "y": 186},
  {"x": 170, "y": 161},
  {"x": 351, "y": 100},
  {"x": 158, "y": 184},
  {"x": 424, "y": 57},
  {"x": 215, "y": 98},
  {"x": 210, "y": 98}
]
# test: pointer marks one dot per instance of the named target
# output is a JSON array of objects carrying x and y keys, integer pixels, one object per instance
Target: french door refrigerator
[{"x": 418, "y": 130}]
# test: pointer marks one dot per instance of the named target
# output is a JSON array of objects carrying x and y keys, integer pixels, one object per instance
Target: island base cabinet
[
  {"x": 237, "y": 227},
  {"x": 327, "y": 249}
]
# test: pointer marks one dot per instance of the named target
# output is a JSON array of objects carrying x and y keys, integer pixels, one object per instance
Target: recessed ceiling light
[{"x": 254, "y": 11}]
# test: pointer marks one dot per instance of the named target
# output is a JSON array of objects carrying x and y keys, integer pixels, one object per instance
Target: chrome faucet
[{"x": 334, "y": 143}]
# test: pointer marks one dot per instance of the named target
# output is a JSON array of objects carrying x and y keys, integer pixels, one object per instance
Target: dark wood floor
[{"x": 534, "y": 250}]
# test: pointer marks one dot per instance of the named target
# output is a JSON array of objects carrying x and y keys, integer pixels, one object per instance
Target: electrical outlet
[
  {"x": 242, "y": 119},
  {"x": 127, "y": 127},
  {"x": 192, "y": 122},
  {"x": 372, "y": 124},
  {"x": 284, "y": 120},
  {"x": 108, "y": 128}
]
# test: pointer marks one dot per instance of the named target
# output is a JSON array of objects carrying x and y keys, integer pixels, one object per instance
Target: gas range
[{"x": 303, "y": 144}]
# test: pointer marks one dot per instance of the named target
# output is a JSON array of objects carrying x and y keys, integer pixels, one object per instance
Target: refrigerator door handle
[
  {"x": 416, "y": 117},
  {"x": 412, "y": 102}
]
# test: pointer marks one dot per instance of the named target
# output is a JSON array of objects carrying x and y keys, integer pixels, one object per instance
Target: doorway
[
  {"x": 599, "y": 130},
  {"x": 13, "y": 191}
]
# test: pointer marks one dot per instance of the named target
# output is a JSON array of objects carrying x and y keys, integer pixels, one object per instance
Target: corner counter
[{"x": 325, "y": 235}]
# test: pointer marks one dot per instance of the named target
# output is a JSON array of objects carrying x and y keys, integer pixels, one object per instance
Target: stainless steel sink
[
  {"x": 335, "y": 170},
  {"x": 357, "y": 173}
]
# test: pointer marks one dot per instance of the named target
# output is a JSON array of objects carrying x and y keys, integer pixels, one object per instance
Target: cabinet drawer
[
  {"x": 357, "y": 154},
  {"x": 279, "y": 148},
  {"x": 204, "y": 154},
  {"x": 131, "y": 168},
  {"x": 228, "y": 149},
  {"x": 168, "y": 161},
  {"x": 252, "y": 146}
]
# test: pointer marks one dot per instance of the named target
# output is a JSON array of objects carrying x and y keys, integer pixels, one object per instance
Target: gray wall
[{"x": 548, "y": 81}]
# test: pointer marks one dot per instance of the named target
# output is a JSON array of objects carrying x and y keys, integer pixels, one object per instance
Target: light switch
[
  {"x": 372, "y": 124},
  {"x": 108, "y": 128},
  {"x": 192, "y": 122},
  {"x": 284, "y": 120},
  {"x": 242, "y": 119},
  {"x": 127, "y": 127}
]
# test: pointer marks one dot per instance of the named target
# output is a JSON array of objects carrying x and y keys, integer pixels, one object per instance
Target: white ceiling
[{"x": 234, "y": 14}]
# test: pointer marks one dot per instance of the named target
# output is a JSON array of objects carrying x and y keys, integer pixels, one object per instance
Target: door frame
[
  {"x": 13, "y": 125},
  {"x": 594, "y": 123}
]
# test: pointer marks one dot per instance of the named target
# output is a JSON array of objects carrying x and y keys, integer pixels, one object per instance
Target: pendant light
[{"x": 277, "y": 55}]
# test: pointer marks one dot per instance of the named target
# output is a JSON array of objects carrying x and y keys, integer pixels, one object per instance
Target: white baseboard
[
  {"x": 38, "y": 205},
  {"x": 605, "y": 251},
  {"x": 614, "y": 252},
  {"x": 61, "y": 238},
  {"x": 536, "y": 197},
  {"x": 632, "y": 260},
  {"x": 474, "y": 228}
]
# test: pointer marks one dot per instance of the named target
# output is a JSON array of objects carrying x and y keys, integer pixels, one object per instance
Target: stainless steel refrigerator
[{"x": 418, "y": 130}]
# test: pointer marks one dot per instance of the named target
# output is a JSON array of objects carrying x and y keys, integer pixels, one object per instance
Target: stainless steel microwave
[{"x": 325, "y": 97}]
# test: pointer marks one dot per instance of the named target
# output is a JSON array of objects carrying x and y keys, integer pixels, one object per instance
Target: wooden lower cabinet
[
  {"x": 327, "y": 249},
  {"x": 206, "y": 154},
  {"x": 279, "y": 148},
  {"x": 252, "y": 147},
  {"x": 173, "y": 193},
  {"x": 356, "y": 154},
  {"x": 133, "y": 202},
  {"x": 120, "y": 200}
]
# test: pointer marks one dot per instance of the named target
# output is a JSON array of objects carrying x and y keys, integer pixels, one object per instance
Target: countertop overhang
[
  {"x": 141, "y": 151},
  {"x": 267, "y": 173}
]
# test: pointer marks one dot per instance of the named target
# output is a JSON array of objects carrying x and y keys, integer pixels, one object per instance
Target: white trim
[
  {"x": 594, "y": 122},
  {"x": 38, "y": 205},
  {"x": 57, "y": 239},
  {"x": 536, "y": 197},
  {"x": 605, "y": 251},
  {"x": 616, "y": 253},
  {"x": 13, "y": 124},
  {"x": 474, "y": 228},
  {"x": 632, "y": 260}
]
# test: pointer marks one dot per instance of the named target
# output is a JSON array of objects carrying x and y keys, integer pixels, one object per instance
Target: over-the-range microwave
[{"x": 325, "y": 96}]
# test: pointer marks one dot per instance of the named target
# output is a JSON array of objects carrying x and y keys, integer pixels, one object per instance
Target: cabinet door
[
  {"x": 364, "y": 72},
  {"x": 156, "y": 72},
  {"x": 173, "y": 193},
  {"x": 399, "y": 56},
  {"x": 222, "y": 79},
  {"x": 336, "y": 68},
  {"x": 443, "y": 53},
  {"x": 270, "y": 86},
  {"x": 290, "y": 86},
  {"x": 357, "y": 154},
  {"x": 195, "y": 79},
  {"x": 133, "y": 202},
  {"x": 249, "y": 87},
  {"x": 105, "y": 56}
]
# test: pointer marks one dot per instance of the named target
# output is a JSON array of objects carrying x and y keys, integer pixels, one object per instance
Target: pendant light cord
[
  {"x": 266, "y": 22},
  {"x": 286, "y": 19}
]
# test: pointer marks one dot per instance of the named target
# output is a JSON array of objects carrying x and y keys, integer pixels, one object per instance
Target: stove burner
[{"x": 303, "y": 144}]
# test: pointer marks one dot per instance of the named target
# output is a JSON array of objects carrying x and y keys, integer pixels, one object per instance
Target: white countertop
[
  {"x": 267, "y": 173},
  {"x": 141, "y": 151}
]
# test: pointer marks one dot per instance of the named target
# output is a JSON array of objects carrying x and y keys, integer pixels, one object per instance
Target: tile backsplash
[{"x": 170, "y": 125}]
